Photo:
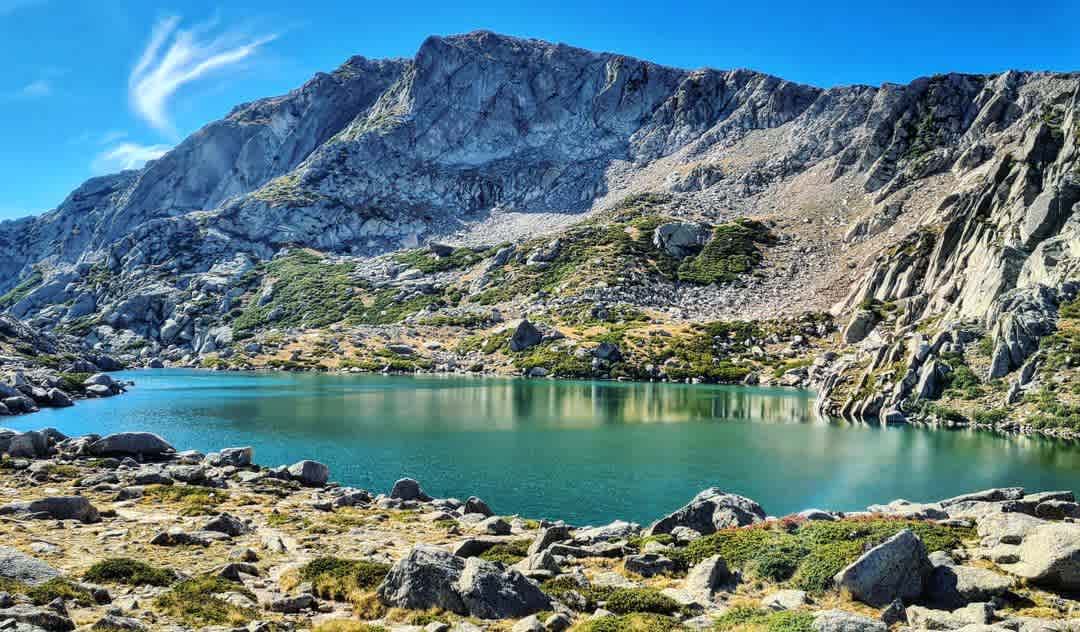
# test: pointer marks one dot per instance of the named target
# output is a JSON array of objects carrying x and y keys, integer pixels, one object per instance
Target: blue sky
[{"x": 93, "y": 86}]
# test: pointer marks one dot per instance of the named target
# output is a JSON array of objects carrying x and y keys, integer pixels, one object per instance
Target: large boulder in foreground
[
  {"x": 490, "y": 592},
  {"x": 18, "y": 566},
  {"x": 425, "y": 578},
  {"x": 431, "y": 577},
  {"x": 136, "y": 444},
  {"x": 1049, "y": 555},
  {"x": 710, "y": 511},
  {"x": 54, "y": 508},
  {"x": 895, "y": 569}
]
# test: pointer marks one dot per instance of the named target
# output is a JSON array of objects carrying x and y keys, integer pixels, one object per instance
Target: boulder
[
  {"x": 294, "y": 604},
  {"x": 895, "y": 569},
  {"x": 681, "y": 239},
  {"x": 476, "y": 506},
  {"x": 425, "y": 578},
  {"x": 18, "y": 566},
  {"x": 309, "y": 473},
  {"x": 490, "y": 592},
  {"x": 706, "y": 577},
  {"x": 841, "y": 621},
  {"x": 494, "y": 526},
  {"x": 59, "y": 398},
  {"x": 227, "y": 524},
  {"x": 36, "y": 619},
  {"x": 549, "y": 536},
  {"x": 618, "y": 530},
  {"x": 430, "y": 577},
  {"x": 408, "y": 489},
  {"x": 1049, "y": 555},
  {"x": 54, "y": 508},
  {"x": 649, "y": 564},
  {"x": 525, "y": 335},
  {"x": 115, "y": 623},
  {"x": 785, "y": 600},
  {"x": 862, "y": 323},
  {"x": 950, "y": 586},
  {"x": 709, "y": 511},
  {"x": 137, "y": 444},
  {"x": 237, "y": 457}
]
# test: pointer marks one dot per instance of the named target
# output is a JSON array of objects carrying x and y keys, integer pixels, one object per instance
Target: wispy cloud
[
  {"x": 174, "y": 57},
  {"x": 127, "y": 156},
  {"x": 36, "y": 89}
]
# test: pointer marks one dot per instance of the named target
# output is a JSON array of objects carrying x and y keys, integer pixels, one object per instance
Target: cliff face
[{"x": 949, "y": 198}]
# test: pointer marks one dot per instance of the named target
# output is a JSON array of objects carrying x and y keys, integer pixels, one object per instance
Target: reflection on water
[{"x": 583, "y": 451}]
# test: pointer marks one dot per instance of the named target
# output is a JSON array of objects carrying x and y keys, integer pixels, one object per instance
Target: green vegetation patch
[
  {"x": 308, "y": 292},
  {"x": 336, "y": 578},
  {"x": 195, "y": 601},
  {"x": 617, "y": 600},
  {"x": 124, "y": 570},
  {"x": 20, "y": 291},
  {"x": 809, "y": 554},
  {"x": 62, "y": 588},
  {"x": 630, "y": 623},
  {"x": 744, "y": 618},
  {"x": 428, "y": 262},
  {"x": 194, "y": 500},
  {"x": 507, "y": 553},
  {"x": 731, "y": 253}
]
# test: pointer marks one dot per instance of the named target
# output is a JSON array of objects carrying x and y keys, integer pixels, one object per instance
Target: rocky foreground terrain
[
  {"x": 911, "y": 251},
  {"x": 124, "y": 533}
]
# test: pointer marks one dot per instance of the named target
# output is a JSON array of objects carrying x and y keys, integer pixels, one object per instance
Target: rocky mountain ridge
[{"x": 912, "y": 213}]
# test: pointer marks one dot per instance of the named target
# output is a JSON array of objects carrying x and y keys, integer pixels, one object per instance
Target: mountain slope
[{"x": 907, "y": 210}]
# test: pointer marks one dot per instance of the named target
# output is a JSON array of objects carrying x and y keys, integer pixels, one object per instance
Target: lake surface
[{"x": 586, "y": 452}]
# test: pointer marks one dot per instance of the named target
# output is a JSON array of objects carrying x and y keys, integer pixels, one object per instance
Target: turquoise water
[{"x": 587, "y": 452}]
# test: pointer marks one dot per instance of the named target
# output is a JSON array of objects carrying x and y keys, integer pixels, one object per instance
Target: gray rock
[
  {"x": 950, "y": 586},
  {"x": 841, "y": 621},
  {"x": 548, "y": 537},
  {"x": 706, "y": 577},
  {"x": 490, "y": 592},
  {"x": 138, "y": 444},
  {"x": 37, "y": 619},
  {"x": 426, "y": 578},
  {"x": 618, "y": 530},
  {"x": 477, "y": 506},
  {"x": 227, "y": 524},
  {"x": 114, "y": 622},
  {"x": 525, "y": 335},
  {"x": 408, "y": 489},
  {"x": 649, "y": 564},
  {"x": 237, "y": 457},
  {"x": 862, "y": 323},
  {"x": 309, "y": 473},
  {"x": 294, "y": 604},
  {"x": 1049, "y": 555},
  {"x": 54, "y": 508},
  {"x": 494, "y": 526},
  {"x": 895, "y": 569},
  {"x": 18, "y": 566},
  {"x": 681, "y": 239},
  {"x": 709, "y": 511},
  {"x": 785, "y": 600}
]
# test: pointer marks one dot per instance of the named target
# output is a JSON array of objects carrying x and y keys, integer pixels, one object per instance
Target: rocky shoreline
[
  {"x": 123, "y": 532},
  {"x": 30, "y": 390}
]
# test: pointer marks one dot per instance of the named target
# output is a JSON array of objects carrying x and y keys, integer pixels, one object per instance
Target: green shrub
[
  {"x": 744, "y": 617},
  {"x": 630, "y": 623},
  {"x": 507, "y": 553},
  {"x": 123, "y": 570},
  {"x": 627, "y": 600},
  {"x": 731, "y": 253},
  {"x": 193, "y": 601},
  {"x": 62, "y": 588},
  {"x": 991, "y": 417},
  {"x": 337, "y": 578}
]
